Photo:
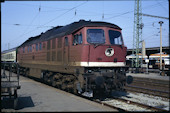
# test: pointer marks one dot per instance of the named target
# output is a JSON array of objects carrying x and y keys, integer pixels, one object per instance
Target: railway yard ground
[
  {"x": 36, "y": 96},
  {"x": 150, "y": 76}
]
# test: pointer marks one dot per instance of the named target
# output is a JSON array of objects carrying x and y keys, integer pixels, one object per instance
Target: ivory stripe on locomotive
[{"x": 104, "y": 64}]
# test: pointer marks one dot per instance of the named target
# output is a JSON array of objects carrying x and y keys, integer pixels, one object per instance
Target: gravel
[{"x": 154, "y": 101}]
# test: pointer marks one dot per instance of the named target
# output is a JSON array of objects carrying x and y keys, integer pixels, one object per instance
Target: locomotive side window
[
  {"x": 36, "y": 47},
  {"x": 59, "y": 42},
  {"x": 28, "y": 49},
  {"x": 44, "y": 45},
  {"x": 115, "y": 37},
  {"x": 40, "y": 46},
  {"x": 77, "y": 39},
  {"x": 95, "y": 36},
  {"x": 54, "y": 43},
  {"x": 80, "y": 39},
  {"x": 23, "y": 49},
  {"x": 66, "y": 41},
  {"x": 48, "y": 44}
]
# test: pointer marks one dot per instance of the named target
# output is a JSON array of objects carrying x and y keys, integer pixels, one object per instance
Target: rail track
[
  {"x": 149, "y": 86},
  {"x": 127, "y": 105}
]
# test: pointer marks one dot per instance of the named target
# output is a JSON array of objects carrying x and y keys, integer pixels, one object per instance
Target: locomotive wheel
[
  {"x": 53, "y": 82},
  {"x": 63, "y": 86},
  {"x": 45, "y": 79},
  {"x": 75, "y": 91}
]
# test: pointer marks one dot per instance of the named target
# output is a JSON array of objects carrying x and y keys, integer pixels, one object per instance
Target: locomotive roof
[{"x": 61, "y": 31}]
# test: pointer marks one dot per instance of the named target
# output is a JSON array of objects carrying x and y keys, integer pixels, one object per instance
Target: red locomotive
[{"x": 85, "y": 57}]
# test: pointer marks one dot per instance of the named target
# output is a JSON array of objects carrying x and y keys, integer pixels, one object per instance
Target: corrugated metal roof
[{"x": 61, "y": 31}]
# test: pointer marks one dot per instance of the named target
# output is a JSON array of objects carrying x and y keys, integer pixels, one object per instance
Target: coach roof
[
  {"x": 61, "y": 31},
  {"x": 9, "y": 50}
]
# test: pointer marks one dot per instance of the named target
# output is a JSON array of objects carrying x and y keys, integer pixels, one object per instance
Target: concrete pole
[
  {"x": 160, "y": 22},
  {"x": 143, "y": 49}
]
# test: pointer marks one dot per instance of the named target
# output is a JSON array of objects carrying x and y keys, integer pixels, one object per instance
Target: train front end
[{"x": 103, "y": 57}]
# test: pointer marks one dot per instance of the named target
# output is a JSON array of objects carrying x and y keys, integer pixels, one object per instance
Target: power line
[
  {"x": 37, "y": 6},
  {"x": 65, "y": 12},
  {"x": 154, "y": 16},
  {"x": 47, "y": 22},
  {"x": 26, "y": 28},
  {"x": 25, "y": 25},
  {"x": 162, "y": 6},
  {"x": 132, "y": 11}
]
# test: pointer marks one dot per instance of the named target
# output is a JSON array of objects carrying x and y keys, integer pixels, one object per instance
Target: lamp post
[{"x": 161, "y": 22}]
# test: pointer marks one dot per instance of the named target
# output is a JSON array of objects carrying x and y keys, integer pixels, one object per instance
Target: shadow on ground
[{"x": 23, "y": 102}]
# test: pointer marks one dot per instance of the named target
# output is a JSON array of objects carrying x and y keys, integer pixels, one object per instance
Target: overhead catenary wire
[
  {"x": 64, "y": 13},
  {"x": 162, "y": 5},
  {"x": 144, "y": 8},
  {"x": 24, "y": 33}
]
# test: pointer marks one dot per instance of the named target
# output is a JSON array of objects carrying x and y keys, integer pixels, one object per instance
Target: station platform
[
  {"x": 38, "y": 97},
  {"x": 149, "y": 75}
]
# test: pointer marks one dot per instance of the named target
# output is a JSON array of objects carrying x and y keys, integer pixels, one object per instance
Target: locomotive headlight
[{"x": 109, "y": 52}]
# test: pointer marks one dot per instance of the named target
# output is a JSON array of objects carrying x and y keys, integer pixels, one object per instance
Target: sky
[{"x": 21, "y": 20}]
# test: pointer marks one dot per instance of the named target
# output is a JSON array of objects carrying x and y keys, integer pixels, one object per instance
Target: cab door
[{"x": 66, "y": 51}]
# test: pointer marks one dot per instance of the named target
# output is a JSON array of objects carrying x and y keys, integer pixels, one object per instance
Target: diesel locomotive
[{"x": 84, "y": 57}]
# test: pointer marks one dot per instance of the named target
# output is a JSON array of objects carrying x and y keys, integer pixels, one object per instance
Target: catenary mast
[{"x": 137, "y": 36}]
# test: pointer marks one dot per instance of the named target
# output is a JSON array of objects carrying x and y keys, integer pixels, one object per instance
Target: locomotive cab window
[
  {"x": 95, "y": 36},
  {"x": 77, "y": 39},
  {"x": 115, "y": 37},
  {"x": 80, "y": 39}
]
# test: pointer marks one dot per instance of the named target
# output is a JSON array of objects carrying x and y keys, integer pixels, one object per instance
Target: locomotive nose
[{"x": 99, "y": 80}]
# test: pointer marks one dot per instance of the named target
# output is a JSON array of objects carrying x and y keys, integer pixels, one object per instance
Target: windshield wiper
[{"x": 95, "y": 45}]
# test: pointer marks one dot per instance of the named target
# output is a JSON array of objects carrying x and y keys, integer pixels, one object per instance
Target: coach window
[
  {"x": 40, "y": 46},
  {"x": 36, "y": 47}
]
